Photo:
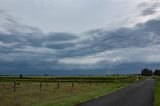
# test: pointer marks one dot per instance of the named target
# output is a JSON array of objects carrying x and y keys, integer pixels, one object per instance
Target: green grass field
[
  {"x": 68, "y": 79},
  {"x": 57, "y": 91},
  {"x": 157, "y": 93},
  {"x": 83, "y": 96}
]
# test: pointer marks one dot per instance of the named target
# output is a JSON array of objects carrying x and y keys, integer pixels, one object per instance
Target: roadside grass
[
  {"x": 58, "y": 91},
  {"x": 157, "y": 94},
  {"x": 85, "y": 96},
  {"x": 29, "y": 94}
]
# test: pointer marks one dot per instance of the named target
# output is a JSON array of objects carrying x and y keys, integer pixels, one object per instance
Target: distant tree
[
  {"x": 146, "y": 72},
  {"x": 45, "y": 74},
  {"x": 20, "y": 76},
  {"x": 157, "y": 72}
]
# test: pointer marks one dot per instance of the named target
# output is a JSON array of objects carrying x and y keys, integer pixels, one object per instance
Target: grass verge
[
  {"x": 157, "y": 94},
  {"x": 70, "y": 101}
]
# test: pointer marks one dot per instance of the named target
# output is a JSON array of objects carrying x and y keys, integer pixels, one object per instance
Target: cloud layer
[{"x": 28, "y": 50}]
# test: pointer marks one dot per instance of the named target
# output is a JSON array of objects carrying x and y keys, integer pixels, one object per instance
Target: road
[{"x": 139, "y": 94}]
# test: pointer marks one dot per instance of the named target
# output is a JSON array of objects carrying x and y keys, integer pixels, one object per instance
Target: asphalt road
[{"x": 139, "y": 94}]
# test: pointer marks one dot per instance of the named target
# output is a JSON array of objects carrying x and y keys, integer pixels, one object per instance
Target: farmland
[{"x": 57, "y": 91}]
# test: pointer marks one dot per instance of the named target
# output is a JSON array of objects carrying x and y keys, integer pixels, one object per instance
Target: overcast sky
[
  {"x": 70, "y": 15},
  {"x": 75, "y": 37}
]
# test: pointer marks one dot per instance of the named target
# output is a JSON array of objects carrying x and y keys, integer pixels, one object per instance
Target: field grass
[
  {"x": 68, "y": 79},
  {"x": 85, "y": 96},
  {"x": 57, "y": 91},
  {"x": 157, "y": 94}
]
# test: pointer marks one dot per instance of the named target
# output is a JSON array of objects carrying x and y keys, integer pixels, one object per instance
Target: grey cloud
[
  {"x": 60, "y": 37},
  {"x": 60, "y": 46},
  {"x": 148, "y": 11},
  {"x": 131, "y": 68},
  {"x": 34, "y": 50},
  {"x": 28, "y": 51},
  {"x": 52, "y": 40},
  {"x": 149, "y": 7},
  {"x": 141, "y": 35},
  {"x": 30, "y": 36}
]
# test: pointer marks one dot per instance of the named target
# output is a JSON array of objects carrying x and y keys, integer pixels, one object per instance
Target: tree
[
  {"x": 20, "y": 76},
  {"x": 45, "y": 74},
  {"x": 157, "y": 72},
  {"x": 146, "y": 72}
]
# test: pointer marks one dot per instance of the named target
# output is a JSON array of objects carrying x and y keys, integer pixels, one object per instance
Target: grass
[
  {"x": 70, "y": 101},
  {"x": 28, "y": 92},
  {"x": 157, "y": 94},
  {"x": 67, "y": 79}
]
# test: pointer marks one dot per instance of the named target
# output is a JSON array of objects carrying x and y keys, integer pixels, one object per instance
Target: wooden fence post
[
  {"x": 14, "y": 86},
  {"x": 90, "y": 83},
  {"x": 40, "y": 86},
  {"x": 58, "y": 85},
  {"x": 72, "y": 84}
]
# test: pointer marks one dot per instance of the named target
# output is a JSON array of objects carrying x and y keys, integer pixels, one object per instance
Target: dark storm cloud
[
  {"x": 22, "y": 48},
  {"x": 132, "y": 68},
  {"x": 60, "y": 37},
  {"x": 53, "y": 40},
  {"x": 141, "y": 35},
  {"x": 29, "y": 36},
  {"x": 60, "y": 46},
  {"x": 26, "y": 48}
]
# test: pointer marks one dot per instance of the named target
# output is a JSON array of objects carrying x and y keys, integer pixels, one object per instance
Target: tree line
[{"x": 149, "y": 72}]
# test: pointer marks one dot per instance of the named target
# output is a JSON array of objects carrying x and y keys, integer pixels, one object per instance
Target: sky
[{"x": 79, "y": 37}]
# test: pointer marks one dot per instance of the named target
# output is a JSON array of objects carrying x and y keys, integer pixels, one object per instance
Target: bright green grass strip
[
  {"x": 70, "y": 101},
  {"x": 157, "y": 94}
]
